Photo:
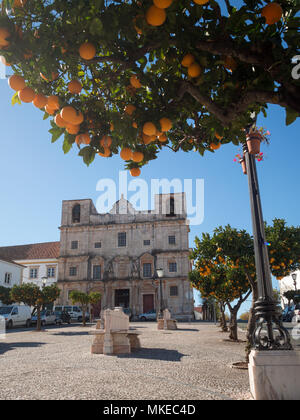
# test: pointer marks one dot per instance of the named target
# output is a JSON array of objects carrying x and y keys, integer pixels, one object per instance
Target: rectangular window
[
  {"x": 7, "y": 278},
  {"x": 97, "y": 272},
  {"x": 51, "y": 272},
  {"x": 146, "y": 242},
  {"x": 73, "y": 271},
  {"x": 173, "y": 291},
  {"x": 98, "y": 244},
  {"x": 33, "y": 273},
  {"x": 147, "y": 270},
  {"x": 122, "y": 239},
  {"x": 74, "y": 245},
  {"x": 172, "y": 240},
  {"x": 173, "y": 267}
]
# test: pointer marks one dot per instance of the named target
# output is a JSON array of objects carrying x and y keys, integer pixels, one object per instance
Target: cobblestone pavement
[{"x": 193, "y": 362}]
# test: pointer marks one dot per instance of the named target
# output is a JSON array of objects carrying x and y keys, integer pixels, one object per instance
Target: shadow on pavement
[
  {"x": 154, "y": 354},
  {"x": 5, "y": 347},
  {"x": 71, "y": 334}
]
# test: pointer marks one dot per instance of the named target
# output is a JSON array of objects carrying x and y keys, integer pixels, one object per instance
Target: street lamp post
[
  {"x": 44, "y": 281},
  {"x": 160, "y": 274},
  {"x": 269, "y": 333},
  {"x": 294, "y": 277}
]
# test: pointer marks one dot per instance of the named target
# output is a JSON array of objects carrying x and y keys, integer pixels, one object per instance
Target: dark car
[
  {"x": 288, "y": 313},
  {"x": 62, "y": 317}
]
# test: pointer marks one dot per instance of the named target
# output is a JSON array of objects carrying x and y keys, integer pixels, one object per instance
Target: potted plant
[
  {"x": 241, "y": 160},
  {"x": 255, "y": 137}
]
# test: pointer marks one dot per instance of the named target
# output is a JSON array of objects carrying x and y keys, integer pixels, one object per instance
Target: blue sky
[{"x": 35, "y": 176}]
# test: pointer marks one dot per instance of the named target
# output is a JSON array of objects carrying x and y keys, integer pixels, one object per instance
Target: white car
[
  {"x": 47, "y": 318},
  {"x": 16, "y": 315}
]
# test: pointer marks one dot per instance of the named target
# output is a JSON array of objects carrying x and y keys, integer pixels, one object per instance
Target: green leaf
[
  {"x": 88, "y": 154},
  {"x": 15, "y": 99},
  {"x": 56, "y": 133},
  {"x": 291, "y": 116}
]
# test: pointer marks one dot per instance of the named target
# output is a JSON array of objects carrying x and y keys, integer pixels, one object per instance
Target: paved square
[{"x": 190, "y": 363}]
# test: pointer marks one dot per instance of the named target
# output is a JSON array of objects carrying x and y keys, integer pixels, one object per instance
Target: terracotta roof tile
[{"x": 31, "y": 252}]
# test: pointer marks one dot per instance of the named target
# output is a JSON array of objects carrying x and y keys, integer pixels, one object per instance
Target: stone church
[{"x": 117, "y": 254}]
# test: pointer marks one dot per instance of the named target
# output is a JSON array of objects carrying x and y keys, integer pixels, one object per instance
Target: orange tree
[
  {"x": 144, "y": 75},
  {"x": 219, "y": 273},
  {"x": 30, "y": 294},
  {"x": 284, "y": 248}
]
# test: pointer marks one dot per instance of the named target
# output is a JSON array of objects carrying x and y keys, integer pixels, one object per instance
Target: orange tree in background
[
  {"x": 144, "y": 75},
  {"x": 225, "y": 264},
  {"x": 218, "y": 272}
]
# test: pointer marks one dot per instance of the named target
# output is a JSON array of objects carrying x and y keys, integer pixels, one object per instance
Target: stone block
[{"x": 275, "y": 375}]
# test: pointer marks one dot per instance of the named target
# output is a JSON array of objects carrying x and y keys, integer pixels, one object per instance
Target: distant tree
[
  {"x": 289, "y": 295},
  {"x": 284, "y": 248},
  {"x": 84, "y": 299},
  {"x": 30, "y": 294},
  {"x": 245, "y": 316},
  {"x": 5, "y": 297}
]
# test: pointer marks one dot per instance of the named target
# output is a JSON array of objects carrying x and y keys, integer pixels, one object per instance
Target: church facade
[{"x": 118, "y": 253}]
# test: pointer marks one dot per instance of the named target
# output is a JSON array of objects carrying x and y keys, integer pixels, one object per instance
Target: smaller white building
[
  {"x": 291, "y": 282},
  {"x": 39, "y": 260},
  {"x": 10, "y": 273}
]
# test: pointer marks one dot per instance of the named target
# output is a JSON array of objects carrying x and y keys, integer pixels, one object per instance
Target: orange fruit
[
  {"x": 201, "y": 1},
  {"x": 187, "y": 60},
  {"x": 49, "y": 110},
  {"x": 155, "y": 16},
  {"x": 53, "y": 102},
  {"x": 194, "y": 70},
  {"x": 106, "y": 141},
  {"x": 126, "y": 154},
  {"x": 112, "y": 127},
  {"x": 163, "y": 138},
  {"x": 162, "y": 4},
  {"x": 134, "y": 81},
  {"x": 75, "y": 87},
  {"x": 59, "y": 121},
  {"x": 83, "y": 139},
  {"x": 129, "y": 109},
  {"x": 230, "y": 63},
  {"x": 272, "y": 12},
  {"x": 71, "y": 116},
  {"x": 87, "y": 51},
  {"x": 18, "y": 4},
  {"x": 28, "y": 54},
  {"x": 148, "y": 139},
  {"x": 165, "y": 124},
  {"x": 139, "y": 31},
  {"x": 218, "y": 136},
  {"x": 215, "y": 146},
  {"x": 4, "y": 34},
  {"x": 40, "y": 101},
  {"x": 16, "y": 82},
  {"x": 72, "y": 129},
  {"x": 137, "y": 157},
  {"x": 26, "y": 95},
  {"x": 149, "y": 129},
  {"x": 134, "y": 125},
  {"x": 106, "y": 153},
  {"x": 135, "y": 172}
]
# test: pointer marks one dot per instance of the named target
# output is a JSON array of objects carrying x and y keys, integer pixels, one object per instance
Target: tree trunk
[
  {"x": 38, "y": 321},
  {"x": 233, "y": 325},
  {"x": 223, "y": 318},
  {"x": 83, "y": 315}
]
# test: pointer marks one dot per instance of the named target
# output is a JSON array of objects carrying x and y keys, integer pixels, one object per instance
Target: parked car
[
  {"x": 148, "y": 316},
  {"x": 16, "y": 315},
  {"x": 62, "y": 317},
  {"x": 127, "y": 311},
  {"x": 74, "y": 311},
  {"x": 288, "y": 313},
  {"x": 47, "y": 318}
]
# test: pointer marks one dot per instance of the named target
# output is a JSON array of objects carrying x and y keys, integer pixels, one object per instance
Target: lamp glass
[
  {"x": 294, "y": 276},
  {"x": 160, "y": 272}
]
